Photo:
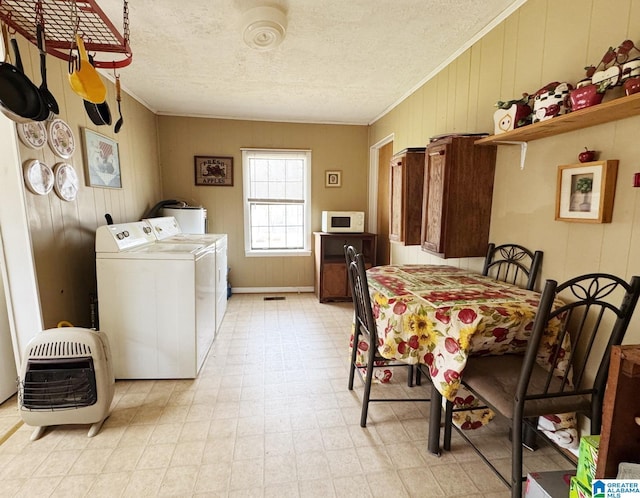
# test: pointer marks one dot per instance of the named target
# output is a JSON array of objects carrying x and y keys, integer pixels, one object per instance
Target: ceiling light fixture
[{"x": 264, "y": 27}]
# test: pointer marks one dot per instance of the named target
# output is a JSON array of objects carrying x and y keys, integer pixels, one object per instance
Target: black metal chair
[
  {"x": 573, "y": 379},
  {"x": 365, "y": 330},
  {"x": 513, "y": 264}
]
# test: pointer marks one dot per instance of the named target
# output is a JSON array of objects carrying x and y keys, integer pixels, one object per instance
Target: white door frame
[
  {"x": 372, "y": 225},
  {"x": 20, "y": 282}
]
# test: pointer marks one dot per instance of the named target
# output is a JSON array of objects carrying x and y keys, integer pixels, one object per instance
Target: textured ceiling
[{"x": 341, "y": 61}]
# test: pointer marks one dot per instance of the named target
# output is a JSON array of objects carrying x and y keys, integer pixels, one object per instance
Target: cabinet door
[
  {"x": 396, "y": 205},
  {"x": 334, "y": 281},
  {"x": 434, "y": 200},
  {"x": 406, "y": 179}
]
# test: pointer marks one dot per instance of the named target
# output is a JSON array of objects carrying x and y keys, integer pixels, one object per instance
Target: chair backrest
[
  {"x": 350, "y": 253},
  {"x": 513, "y": 263},
  {"x": 360, "y": 293},
  {"x": 592, "y": 320}
]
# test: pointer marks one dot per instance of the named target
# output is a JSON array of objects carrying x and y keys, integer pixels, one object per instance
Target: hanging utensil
[
  {"x": 84, "y": 79},
  {"x": 120, "y": 121},
  {"x": 47, "y": 96},
  {"x": 20, "y": 99},
  {"x": 9, "y": 93},
  {"x": 99, "y": 114}
]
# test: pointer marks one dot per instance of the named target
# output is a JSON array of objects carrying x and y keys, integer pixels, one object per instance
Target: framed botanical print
[{"x": 586, "y": 191}]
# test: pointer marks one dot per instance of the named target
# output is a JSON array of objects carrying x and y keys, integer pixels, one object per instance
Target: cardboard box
[
  {"x": 548, "y": 484},
  {"x": 587, "y": 460},
  {"x": 578, "y": 490}
]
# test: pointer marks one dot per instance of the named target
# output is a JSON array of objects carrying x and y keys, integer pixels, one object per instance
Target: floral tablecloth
[{"x": 439, "y": 315}]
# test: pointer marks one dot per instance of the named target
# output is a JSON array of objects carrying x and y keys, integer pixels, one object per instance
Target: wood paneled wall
[
  {"x": 541, "y": 42},
  {"x": 63, "y": 233}
]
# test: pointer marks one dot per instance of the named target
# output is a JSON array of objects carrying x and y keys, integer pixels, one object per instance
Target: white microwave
[{"x": 343, "y": 221}]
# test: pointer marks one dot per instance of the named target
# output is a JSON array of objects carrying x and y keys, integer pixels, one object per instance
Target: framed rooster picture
[{"x": 214, "y": 171}]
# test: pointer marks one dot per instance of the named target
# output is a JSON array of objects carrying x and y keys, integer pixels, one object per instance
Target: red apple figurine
[{"x": 587, "y": 155}]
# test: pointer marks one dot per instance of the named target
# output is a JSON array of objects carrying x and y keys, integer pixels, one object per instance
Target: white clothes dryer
[{"x": 168, "y": 230}]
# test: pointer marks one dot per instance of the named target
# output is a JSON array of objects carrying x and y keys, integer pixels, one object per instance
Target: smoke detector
[{"x": 264, "y": 27}]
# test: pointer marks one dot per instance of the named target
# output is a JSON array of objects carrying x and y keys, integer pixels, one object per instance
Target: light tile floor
[{"x": 268, "y": 416}]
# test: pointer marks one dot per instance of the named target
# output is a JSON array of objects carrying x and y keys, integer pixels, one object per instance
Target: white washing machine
[
  {"x": 168, "y": 230},
  {"x": 156, "y": 302}
]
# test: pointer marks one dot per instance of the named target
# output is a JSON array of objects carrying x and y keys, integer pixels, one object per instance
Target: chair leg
[
  {"x": 354, "y": 355},
  {"x": 410, "y": 376},
  {"x": 516, "y": 457},
  {"x": 418, "y": 375},
  {"x": 448, "y": 425},
  {"x": 367, "y": 387},
  {"x": 596, "y": 418}
]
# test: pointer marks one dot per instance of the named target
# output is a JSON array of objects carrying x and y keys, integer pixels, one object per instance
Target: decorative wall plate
[
  {"x": 66, "y": 181},
  {"x": 38, "y": 177},
  {"x": 33, "y": 134},
  {"x": 61, "y": 139}
]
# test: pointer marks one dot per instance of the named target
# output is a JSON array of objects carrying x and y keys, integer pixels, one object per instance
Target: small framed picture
[
  {"x": 214, "y": 171},
  {"x": 101, "y": 160},
  {"x": 332, "y": 178},
  {"x": 585, "y": 191}
]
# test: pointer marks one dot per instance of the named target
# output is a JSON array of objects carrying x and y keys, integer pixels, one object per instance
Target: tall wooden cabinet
[
  {"x": 331, "y": 280},
  {"x": 457, "y": 195},
  {"x": 405, "y": 187}
]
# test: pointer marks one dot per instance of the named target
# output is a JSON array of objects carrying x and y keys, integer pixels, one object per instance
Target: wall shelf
[{"x": 606, "y": 112}]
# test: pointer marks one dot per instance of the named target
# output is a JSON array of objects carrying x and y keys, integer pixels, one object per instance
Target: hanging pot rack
[{"x": 62, "y": 19}]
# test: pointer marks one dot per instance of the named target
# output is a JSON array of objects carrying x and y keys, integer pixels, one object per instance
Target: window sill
[{"x": 276, "y": 254}]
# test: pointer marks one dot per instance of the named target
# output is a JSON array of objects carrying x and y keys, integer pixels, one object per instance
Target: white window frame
[{"x": 249, "y": 252}]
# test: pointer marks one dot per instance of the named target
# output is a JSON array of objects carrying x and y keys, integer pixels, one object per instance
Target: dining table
[{"x": 438, "y": 316}]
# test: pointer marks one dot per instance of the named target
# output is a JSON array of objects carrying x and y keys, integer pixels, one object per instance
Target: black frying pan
[
  {"x": 20, "y": 99},
  {"x": 47, "y": 96},
  {"x": 18, "y": 94},
  {"x": 99, "y": 114}
]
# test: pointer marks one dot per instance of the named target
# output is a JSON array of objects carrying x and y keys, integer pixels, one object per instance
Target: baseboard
[{"x": 269, "y": 290}]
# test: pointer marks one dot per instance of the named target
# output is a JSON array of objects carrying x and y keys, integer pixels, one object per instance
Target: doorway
[{"x": 380, "y": 158}]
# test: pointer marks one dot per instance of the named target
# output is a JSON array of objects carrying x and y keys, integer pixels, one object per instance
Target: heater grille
[{"x": 59, "y": 385}]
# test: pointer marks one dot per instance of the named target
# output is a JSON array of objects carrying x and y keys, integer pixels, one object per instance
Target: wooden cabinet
[
  {"x": 331, "y": 280},
  {"x": 457, "y": 195},
  {"x": 405, "y": 187},
  {"x": 620, "y": 436}
]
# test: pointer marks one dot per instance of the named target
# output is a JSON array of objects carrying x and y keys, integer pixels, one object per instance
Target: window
[{"x": 277, "y": 202}]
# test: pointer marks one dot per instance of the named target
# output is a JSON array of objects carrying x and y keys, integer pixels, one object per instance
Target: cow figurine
[{"x": 551, "y": 100}]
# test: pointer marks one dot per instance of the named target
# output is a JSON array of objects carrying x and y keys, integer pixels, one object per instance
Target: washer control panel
[{"x": 123, "y": 236}]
